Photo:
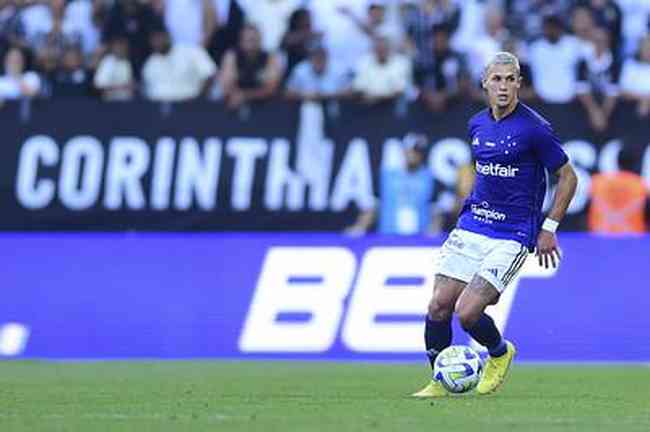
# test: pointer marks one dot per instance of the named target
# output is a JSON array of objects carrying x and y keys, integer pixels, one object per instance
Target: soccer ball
[{"x": 458, "y": 368}]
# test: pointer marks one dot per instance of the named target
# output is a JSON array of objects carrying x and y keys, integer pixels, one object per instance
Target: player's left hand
[{"x": 547, "y": 247}]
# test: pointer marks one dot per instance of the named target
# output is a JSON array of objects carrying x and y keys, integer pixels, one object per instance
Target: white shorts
[{"x": 465, "y": 254}]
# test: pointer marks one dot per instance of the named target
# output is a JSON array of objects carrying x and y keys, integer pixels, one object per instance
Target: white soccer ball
[{"x": 458, "y": 368}]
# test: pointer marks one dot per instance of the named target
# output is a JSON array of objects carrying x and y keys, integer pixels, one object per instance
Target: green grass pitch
[{"x": 306, "y": 396}]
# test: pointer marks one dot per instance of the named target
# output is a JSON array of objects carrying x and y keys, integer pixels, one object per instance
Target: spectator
[
  {"x": 582, "y": 23},
  {"x": 374, "y": 23},
  {"x": 619, "y": 198},
  {"x": 316, "y": 79},
  {"x": 420, "y": 23},
  {"x": 636, "y": 14},
  {"x": 176, "y": 72},
  {"x": 249, "y": 73},
  {"x": 447, "y": 78},
  {"x": 84, "y": 18},
  {"x": 114, "y": 76},
  {"x": 405, "y": 206},
  {"x": 230, "y": 21},
  {"x": 56, "y": 24},
  {"x": 526, "y": 90},
  {"x": 136, "y": 21},
  {"x": 71, "y": 79},
  {"x": 526, "y": 17},
  {"x": 16, "y": 83},
  {"x": 190, "y": 22},
  {"x": 608, "y": 15},
  {"x": 484, "y": 47},
  {"x": 344, "y": 40},
  {"x": 9, "y": 24},
  {"x": 472, "y": 23},
  {"x": 299, "y": 36},
  {"x": 554, "y": 59},
  {"x": 382, "y": 75},
  {"x": 273, "y": 19},
  {"x": 635, "y": 78},
  {"x": 598, "y": 75}
]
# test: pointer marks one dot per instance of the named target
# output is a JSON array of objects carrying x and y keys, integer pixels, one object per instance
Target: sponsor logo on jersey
[
  {"x": 484, "y": 213},
  {"x": 496, "y": 170}
]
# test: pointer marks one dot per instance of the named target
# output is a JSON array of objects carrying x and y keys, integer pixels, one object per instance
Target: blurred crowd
[{"x": 240, "y": 51}]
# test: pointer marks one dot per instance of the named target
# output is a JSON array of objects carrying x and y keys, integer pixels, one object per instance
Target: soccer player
[{"x": 501, "y": 221}]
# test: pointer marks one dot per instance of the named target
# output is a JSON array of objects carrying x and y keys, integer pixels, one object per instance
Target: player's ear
[{"x": 520, "y": 80}]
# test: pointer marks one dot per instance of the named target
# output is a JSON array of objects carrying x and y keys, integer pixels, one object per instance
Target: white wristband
[{"x": 550, "y": 225}]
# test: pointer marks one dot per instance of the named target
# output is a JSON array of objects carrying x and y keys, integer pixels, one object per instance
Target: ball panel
[{"x": 458, "y": 368}]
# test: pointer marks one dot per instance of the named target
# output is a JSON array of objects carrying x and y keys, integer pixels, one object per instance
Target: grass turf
[{"x": 282, "y": 396}]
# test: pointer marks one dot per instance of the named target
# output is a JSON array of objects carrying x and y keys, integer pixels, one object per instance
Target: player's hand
[{"x": 547, "y": 249}]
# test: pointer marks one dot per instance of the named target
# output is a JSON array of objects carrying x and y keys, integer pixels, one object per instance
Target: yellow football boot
[
  {"x": 496, "y": 370},
  {"x": 432, "y": 390}
]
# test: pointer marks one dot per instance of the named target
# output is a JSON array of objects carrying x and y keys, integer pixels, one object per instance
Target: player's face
[{"x": 502, "y": 84}]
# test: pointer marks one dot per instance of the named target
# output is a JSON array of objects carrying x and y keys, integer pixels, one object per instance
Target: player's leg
[
  {"x": 459, "y": 260},
  {"x": 497, "y": 270},
  {"x": 470, "y": 308},
  {"x": 437, "y": 328}
]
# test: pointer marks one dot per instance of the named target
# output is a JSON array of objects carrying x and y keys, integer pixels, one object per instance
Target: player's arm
[
  {"x": 547, "y": 246},
  {"x": 566, "y": 188}
]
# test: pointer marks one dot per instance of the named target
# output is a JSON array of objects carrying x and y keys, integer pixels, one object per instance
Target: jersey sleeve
[{"x": 548, "y": 148}]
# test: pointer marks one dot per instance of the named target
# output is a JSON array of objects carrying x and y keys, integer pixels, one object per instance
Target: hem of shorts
[{"x": 452, "y": 276}]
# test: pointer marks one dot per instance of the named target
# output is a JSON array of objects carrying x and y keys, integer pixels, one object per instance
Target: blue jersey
[
  {"x": 511, "y": 157},
  {"x": 405, "y": 201}
]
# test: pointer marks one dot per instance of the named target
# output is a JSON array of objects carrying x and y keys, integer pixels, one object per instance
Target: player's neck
[{"x": 499, "y": 113}]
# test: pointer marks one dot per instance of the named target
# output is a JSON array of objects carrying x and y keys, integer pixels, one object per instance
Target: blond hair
[{"x": 502, "y": 58}]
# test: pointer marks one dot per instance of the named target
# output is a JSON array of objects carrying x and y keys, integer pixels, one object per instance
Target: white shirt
[
  {"x": 480, "y": 53},
  {"x": 471, "y": 25},
  {"x": 179, "y": 75},
  {"x": 635, "y": 77},
  {"x": 635, "y": 21},
  {"x": 10, "y": 85},
  {"x": 77, "y": 23},
  {"x": 78, "y": 20},
  {"x": 304, "y": 79},
  {"x": 376, "y": 79},
  {"x": 36, "y": 20},
  {"x": 114, "y": 71},
  {"x": 554, "y": 68},
  {"x": 345, "y": 41},
  {"x": 184, "y": 20}
]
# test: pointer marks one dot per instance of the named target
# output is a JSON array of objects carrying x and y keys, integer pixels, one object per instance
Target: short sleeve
[{"x": 548, "y": 148}]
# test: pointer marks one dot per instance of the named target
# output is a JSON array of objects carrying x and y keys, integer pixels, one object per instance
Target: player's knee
[{"x": 440, "y": 309}]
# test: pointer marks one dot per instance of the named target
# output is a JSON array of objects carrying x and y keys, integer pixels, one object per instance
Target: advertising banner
[
  {"x": 87, "y": 165},
  {"x": 320, "y": 296}
]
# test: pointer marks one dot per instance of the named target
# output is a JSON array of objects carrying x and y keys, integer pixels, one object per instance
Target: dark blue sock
[
  {"x": 486, "y": 333},
  {"x": 437, "y": 336}
]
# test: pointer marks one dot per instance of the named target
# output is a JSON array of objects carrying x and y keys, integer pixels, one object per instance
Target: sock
[
  {"x": 486, "y": 333},
  {"x": 437, "y": 336}
]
